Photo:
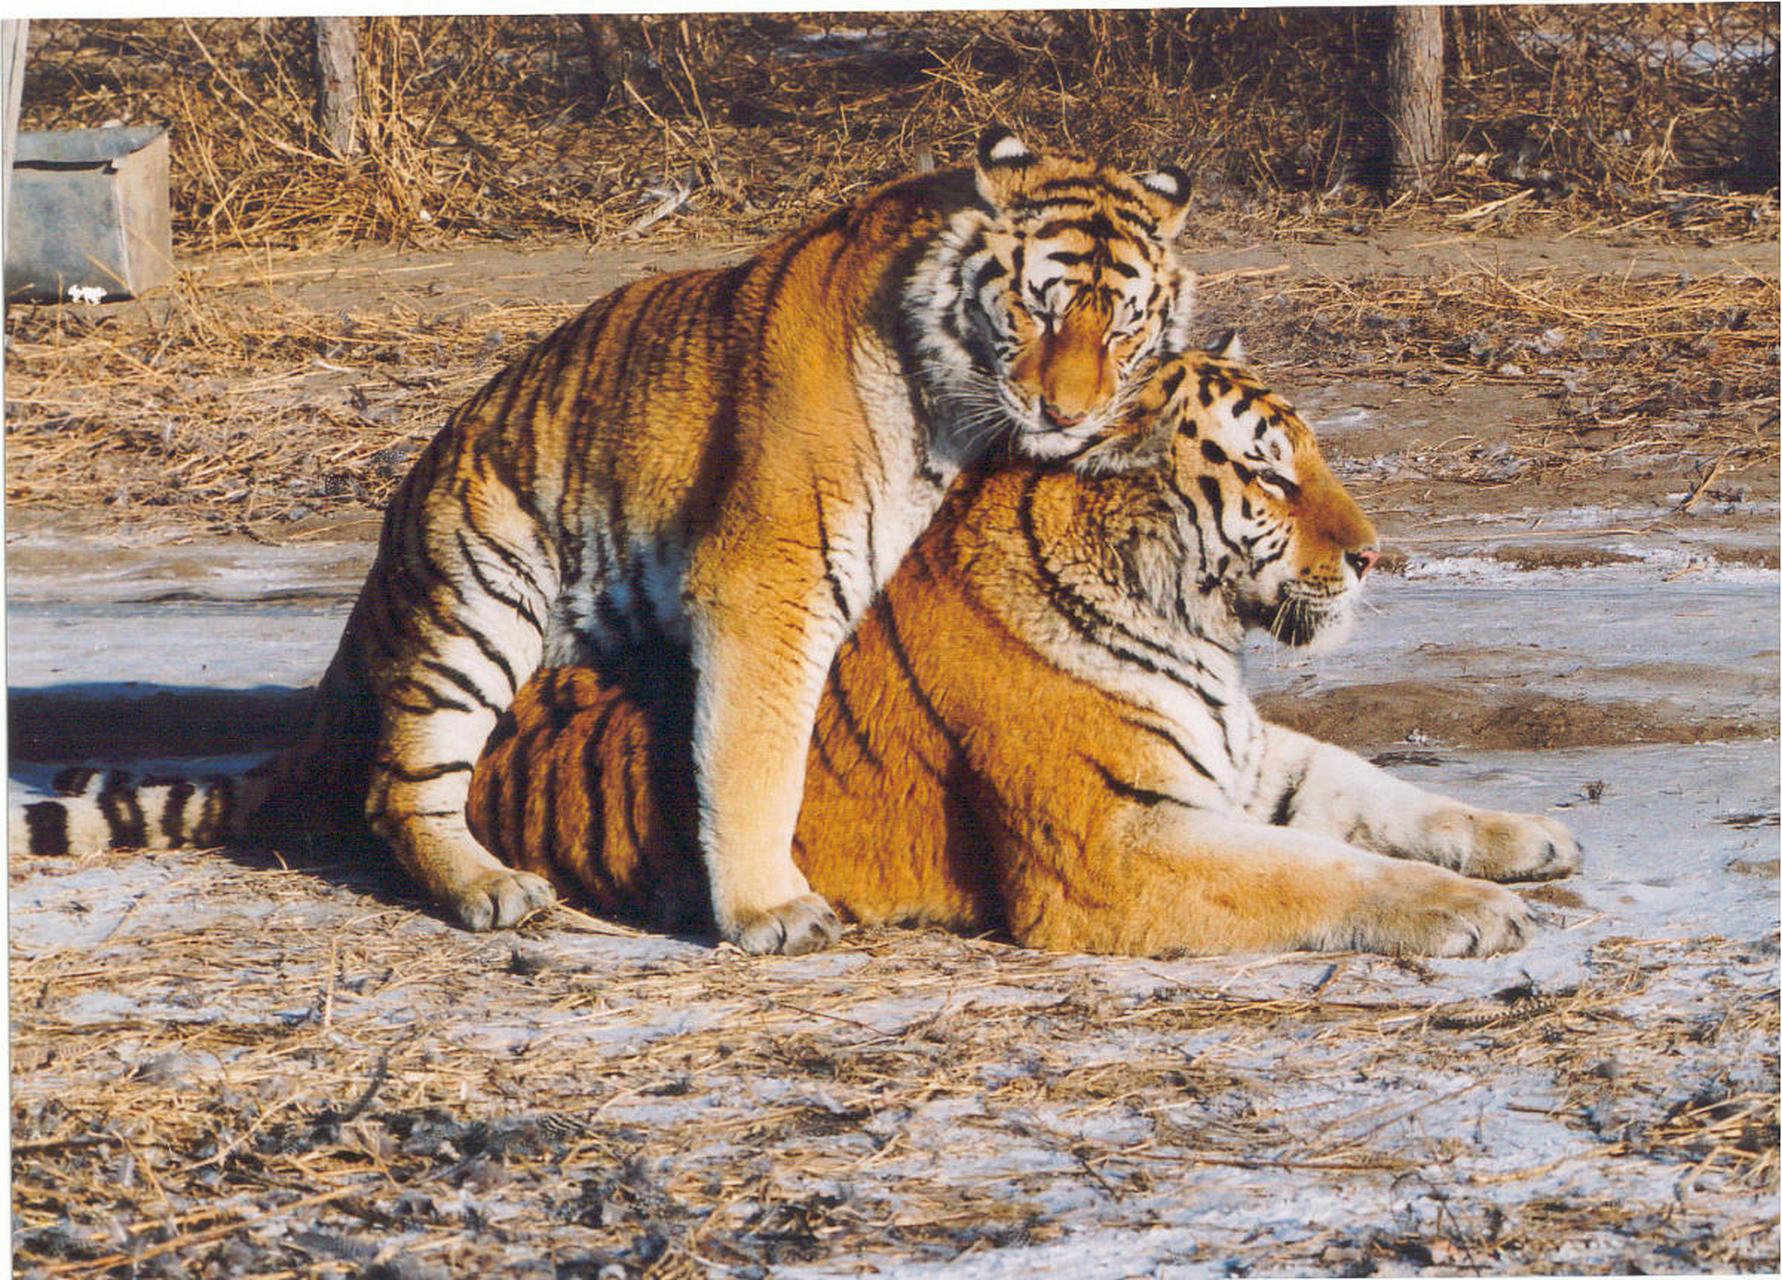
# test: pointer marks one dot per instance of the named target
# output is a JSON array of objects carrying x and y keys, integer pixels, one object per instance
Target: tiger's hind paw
[
  {"x": 804, "y": 924},
  {"x": 501, "y": 900}
]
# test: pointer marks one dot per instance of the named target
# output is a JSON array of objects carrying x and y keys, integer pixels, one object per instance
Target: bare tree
[
  {"x": 14, "y": 37},
  {"x": 606, "y": 55},
  {"x": 1414, "y": 95},
  {"x": 337, "y": 94}
]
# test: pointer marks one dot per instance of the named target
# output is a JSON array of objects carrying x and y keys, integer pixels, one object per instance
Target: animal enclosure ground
[{"x": 233, "y": 1066}]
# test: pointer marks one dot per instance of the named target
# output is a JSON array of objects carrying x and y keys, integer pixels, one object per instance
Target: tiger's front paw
[
  {"x": 1432, "y": 912},
  {"x": 1521, "y": 846},
  {"x": 500, "y": 899},
  {"x": 806, "y": 923}
]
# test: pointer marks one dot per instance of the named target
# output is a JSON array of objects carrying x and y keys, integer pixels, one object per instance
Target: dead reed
[
  {"x": 225, "y": 406},
  {"x": 503, "y": 128}
]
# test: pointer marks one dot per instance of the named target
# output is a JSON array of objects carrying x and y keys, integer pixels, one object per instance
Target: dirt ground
[{"x": 231, "y": 1065}]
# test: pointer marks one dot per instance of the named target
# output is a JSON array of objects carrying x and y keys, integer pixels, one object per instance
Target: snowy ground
[{"x": 223, "y": 1066}]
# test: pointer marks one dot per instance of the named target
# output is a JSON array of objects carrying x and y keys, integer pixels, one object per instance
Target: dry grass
[
  {"x": 234, "y": 408},
  {"x": 1661, "y": 117},
  {"x": 1656, "y": 367},
  {"x": 266, "y": 1071},
  {"x": 238, "y": 412}
]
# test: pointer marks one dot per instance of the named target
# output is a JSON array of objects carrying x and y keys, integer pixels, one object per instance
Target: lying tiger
[{"x": 1042, "y": 727}]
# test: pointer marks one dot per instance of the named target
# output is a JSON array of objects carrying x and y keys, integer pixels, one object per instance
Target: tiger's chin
[
  {"x": 1302, "y": 622},
  {"x": 1046, "y": 443}
]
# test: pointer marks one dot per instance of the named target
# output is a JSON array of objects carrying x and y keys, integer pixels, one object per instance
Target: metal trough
[{"x": 88, "y": 211}]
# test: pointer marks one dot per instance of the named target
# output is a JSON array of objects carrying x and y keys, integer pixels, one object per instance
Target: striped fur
[
  {"x": 1042, "y": 726},
  {"x": 730, "y": 461}
]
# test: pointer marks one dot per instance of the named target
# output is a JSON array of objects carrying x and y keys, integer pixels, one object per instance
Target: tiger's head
[
  {"x": 1040, "y": 308},
  {"x": 1275, "y": 539}
]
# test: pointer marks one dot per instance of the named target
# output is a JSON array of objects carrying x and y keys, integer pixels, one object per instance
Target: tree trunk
[
  {"x": 337, "y": 77},
  {"x": 1414, "y": 96},
  {"x": 14, "y": 35},
  {"x": 606, "y": 56}
]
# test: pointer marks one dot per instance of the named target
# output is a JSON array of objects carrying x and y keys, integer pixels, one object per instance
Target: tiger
[
  {"x": 1041, "y": 727},
  {"x": 732, "y": 461}
]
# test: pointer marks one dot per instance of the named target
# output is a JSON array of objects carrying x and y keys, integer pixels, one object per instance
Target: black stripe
[
  {"x": 1283, "y": 813},
  {"x": 173, "y": 816},
  {"x": 215, "y": 824},
  {"x": 776, "y": 280},
  {"x": 872, "y": 549},
  {"x": 1181, "y": 749},
  {"x": 993, "y": 269},
  {"x": 488, "y": 650},
  {"x": 1096, "y": 226},
  {"x": 431, "y": 699},
  {"x": 459, "y": 679},
  {"x": 429, "y": 772},
  {"x": 1209, "y": 489},
  {"x": 1030, "y": 207},
  {"x": 514, "y": 564},
  {"x": 887, "y": 616},
  {"x": 517, "y": 786},
  {"x": 585, "y": 414},
  {"x": 494, "y": 794},
  {"x": 547, "y": 825},
  {"x": 821, "y": 747},
  {"x": 1130, "y": 791},
  {"x": 122, "y": 812},
  {"x": 1145, "y": 224},
  {"x": 829, "y": 574},
  {"x": 1171, "y": 381},
  {"x": 73, "y": 780},
  {"x": 46, "y": 823},
  {"x": 1200, "y": 538},
  {"x": 408, "y": 572},
  {"x": 1082, "y": 616},
  {"x": 718, "y": 458},
  {"x": 591, "y": 780},
  {"x": 846, "y": 709}
]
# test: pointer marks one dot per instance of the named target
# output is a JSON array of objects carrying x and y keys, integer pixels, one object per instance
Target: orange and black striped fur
[
  {"x": 730, "y": 461},
  {"x": 1042, "y": 726}
]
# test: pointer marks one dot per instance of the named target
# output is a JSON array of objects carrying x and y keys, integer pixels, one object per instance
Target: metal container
[{"x": 88, "y": 211}]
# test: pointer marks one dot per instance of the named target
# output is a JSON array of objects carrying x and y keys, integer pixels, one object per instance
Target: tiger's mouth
[
  {"x": 1039, "y": 437},
  {"x": 1300, "y": 620}
]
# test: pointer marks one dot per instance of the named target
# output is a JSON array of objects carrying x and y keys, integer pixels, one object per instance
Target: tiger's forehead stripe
[
  {"x": 1082, "y": 192},
  {"x": 1216, "y": 381}
]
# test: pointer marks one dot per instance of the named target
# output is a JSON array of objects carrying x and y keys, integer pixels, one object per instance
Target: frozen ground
[
  {"x": 224, "y": 1065},
  {"x": 352, "y": 1082}
]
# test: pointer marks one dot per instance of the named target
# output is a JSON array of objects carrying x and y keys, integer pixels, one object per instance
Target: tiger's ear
[
  {"x": 1169, "y": 189},
  {"x": 1003, "y": 160},
  {"x": 1228, "y": 346}
]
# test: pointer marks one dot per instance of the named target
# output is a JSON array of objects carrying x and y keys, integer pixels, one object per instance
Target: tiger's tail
[{"x": 92, "y": 808}]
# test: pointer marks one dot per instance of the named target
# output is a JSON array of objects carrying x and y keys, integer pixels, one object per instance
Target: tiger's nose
[
  {"x": 1058, "y": 417},
  {"x": 1362, "y": 561}
]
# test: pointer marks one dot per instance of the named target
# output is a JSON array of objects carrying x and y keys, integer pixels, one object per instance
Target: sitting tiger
[
  {"x": 1042, "y": 727},
  {"x": 732, "y": 461}
]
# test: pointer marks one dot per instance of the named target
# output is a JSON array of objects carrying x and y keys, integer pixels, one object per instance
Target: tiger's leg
[
  {"x": 444, "y": 658},
  {"x": 754, "y": 706},
  {"x": 1316, "y": 787},
  {"x": 1157, "y": 877}
]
